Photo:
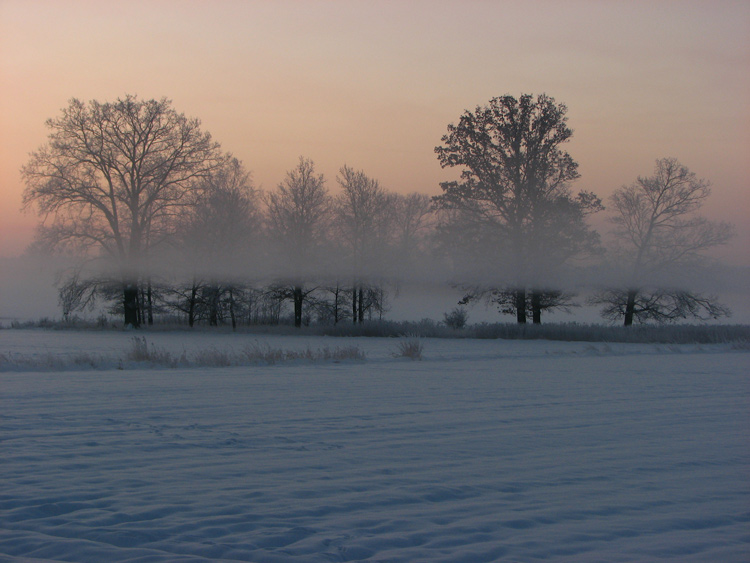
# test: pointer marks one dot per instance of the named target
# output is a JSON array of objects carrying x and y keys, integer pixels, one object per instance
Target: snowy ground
[{"x": 482, "y": 451}]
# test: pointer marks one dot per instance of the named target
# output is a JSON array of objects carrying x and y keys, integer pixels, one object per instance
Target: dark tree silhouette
[
  {"x": 513, "y": 195},
  {"x": 216, "y": 237},
  {"x": 362, "y": 221},
  {"x": 659, "y": 232},
  {"x": 298, "y": 217},
  {"x": 507, "y": 302},
  {"x": 111, "y": 177}
]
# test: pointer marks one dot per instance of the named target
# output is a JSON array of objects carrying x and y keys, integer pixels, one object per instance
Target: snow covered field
[{"x": 483, "y": 451}]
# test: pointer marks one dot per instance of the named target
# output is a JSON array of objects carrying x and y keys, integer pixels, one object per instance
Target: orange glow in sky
[{"x": 373, "y": 84}]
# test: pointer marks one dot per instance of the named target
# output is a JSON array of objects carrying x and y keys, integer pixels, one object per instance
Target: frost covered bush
[
  {"x": 73, "y": 322},
  {"x": 456, "y": 319},
  {"x": 411, "y": 348},
  {"x": 257, "y": 352},
  {"x": 140, "y": 351},
  {"x": 254, "y": 353},
  {"x": 50, "y": 362},
  {"x": 212, "y": 357},
  {"x": 266, "y": 354}
]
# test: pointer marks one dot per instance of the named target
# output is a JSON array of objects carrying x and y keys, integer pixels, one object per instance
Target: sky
[{"x": 374, "y": 84}]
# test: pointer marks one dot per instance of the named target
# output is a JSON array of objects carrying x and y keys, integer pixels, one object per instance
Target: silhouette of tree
[
  {"x": 513, "y": 204},
  {"x": 111, "y": 178},
  {"x": 217, "y": 235},
  {"x": 658, "y": 232},
  {"x": 298, "y": 218},
  {"x": 362, "y": 221}
]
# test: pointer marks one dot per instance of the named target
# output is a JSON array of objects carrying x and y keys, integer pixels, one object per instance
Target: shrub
[
  {"x": 410, "y": 348},
  {"x": 456, "y": 319}
]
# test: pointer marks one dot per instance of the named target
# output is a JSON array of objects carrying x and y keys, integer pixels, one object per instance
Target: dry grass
[
  {"x": 141, "y": 351},
  {"x": 264, "y": 353},
  {"x": 428, "y": 328},
  {"x": 50, "y": 361},
  {"x": 411, "y": 347}
]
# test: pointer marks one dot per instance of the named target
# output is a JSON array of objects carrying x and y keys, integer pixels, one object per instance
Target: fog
[
  {"x": 27, "y": 288},
  {"x": 416, "y": 288}
]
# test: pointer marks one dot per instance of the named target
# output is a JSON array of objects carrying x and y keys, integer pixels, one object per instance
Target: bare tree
[
  {"x": 218, "y": 233},
  {"x": 111, "y": 177},
  {"x": 412, "y": 220},
  {"x": 660, "y": 305},
  {"x": 298, "y": 217},
  {"x": 659, "y": 232},
  {"x": 332, "y": 306},
  {"x": 223, "y": 220},
  {"x": 362, "y": 221},
  {"x": 506, "y": 300},
  {"x": 514, "y": 191},
  {"x": 77, "y": 292}
]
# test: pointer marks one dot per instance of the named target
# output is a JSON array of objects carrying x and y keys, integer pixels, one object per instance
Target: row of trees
[
  {"x": 238, "y": 254},
  {"x": 139, "y": 187}
]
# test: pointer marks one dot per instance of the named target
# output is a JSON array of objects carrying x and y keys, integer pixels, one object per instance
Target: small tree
[
  {"x": 215, "y": 238},
  {"x": 660, "y": 305},
  {"x": 333, "y": 304},
  {"x": 362, "y": 221},
  {"x": 660, "y": 234},
  {"x": 298, "y": 217}
]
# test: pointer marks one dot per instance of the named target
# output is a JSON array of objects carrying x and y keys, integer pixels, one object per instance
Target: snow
[{"x": 483, "y": 451}]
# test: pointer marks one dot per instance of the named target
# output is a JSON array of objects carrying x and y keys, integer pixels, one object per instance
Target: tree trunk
[
  {"x": 191, "y": 305},
  {"x": 536, "y": 307},
  {"x": 336, "y": 306},
  {"x": 298, "y": 299},
  {"x": 150, "y": 304},
  {"x": 361, "y": 305},
  {"x": 354, "y": 305},
  {"x": 630, "y": 306},
  {"x": 521, "y": 306},
  {"x": 213, "y": 306},
  {"x": 231, "y": 310},
  {"x": 130, "y": 304}
]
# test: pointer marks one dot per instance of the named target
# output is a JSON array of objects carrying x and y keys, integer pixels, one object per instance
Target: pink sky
[{"x": 373, "y": 84}]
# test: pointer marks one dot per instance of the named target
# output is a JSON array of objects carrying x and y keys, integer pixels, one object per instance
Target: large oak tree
[
  {"x": 512, "y": 207},
  {"x": 111, "y": 178}
]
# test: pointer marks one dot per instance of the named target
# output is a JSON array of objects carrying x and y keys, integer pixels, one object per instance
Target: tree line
[{"x": 164, "y": 222}]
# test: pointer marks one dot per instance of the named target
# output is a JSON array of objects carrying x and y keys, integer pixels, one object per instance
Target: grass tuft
[
  {"x": 411, "y": 347},
  {"x": 263, "y": 353},
  {"x": 141, "y": 351}
]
